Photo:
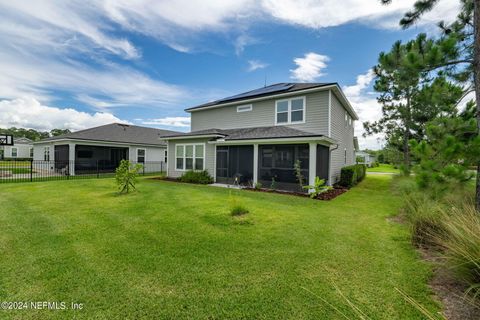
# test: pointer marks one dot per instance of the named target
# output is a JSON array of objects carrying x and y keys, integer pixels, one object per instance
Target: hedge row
[{"x": 351, "y": 175}]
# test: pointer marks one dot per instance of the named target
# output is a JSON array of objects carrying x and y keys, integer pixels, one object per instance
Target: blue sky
[{"x": 77, "y": 64}]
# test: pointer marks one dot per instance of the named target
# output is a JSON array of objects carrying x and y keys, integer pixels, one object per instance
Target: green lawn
[
  {"x": 16, "y": 164},
  {"x": 384, "y": 168},
  {"x": 172, "y": 250}
]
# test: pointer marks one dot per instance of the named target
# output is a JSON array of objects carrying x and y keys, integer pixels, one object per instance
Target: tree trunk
[
  {"x": 406, "y": 139},
  {"x": 476, "y": 79}
]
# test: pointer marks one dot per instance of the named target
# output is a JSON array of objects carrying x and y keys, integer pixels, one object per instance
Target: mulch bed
[{"x": 329, "y": 195}]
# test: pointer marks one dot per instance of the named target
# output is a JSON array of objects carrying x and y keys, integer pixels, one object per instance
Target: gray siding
[
  {"x": 263, "y": 114},
  {"x": 343, "y": 133},
  {"x": 209, "y": 156}
]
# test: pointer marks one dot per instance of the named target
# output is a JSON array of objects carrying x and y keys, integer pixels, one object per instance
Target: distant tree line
[{"x": 33, "y": 134}]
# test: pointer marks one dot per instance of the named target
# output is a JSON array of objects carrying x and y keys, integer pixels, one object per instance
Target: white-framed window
[
  {"x": 141, "y": 155},
  {"x": 288, "y": 111},
  {"x": 46, "y": 153},
  {"x": 346, "y": 118},
  {"x": 190, "y": 156},
  {"x": 245, "y": 108},
  {"x": 345, "y": 160},
  {"x": 14, "y": 152},
  {"x": 166, "y": 156},
  {"x": 31, "y": 152}
]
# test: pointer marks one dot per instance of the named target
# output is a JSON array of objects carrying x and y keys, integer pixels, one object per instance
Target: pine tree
[{"x": 458, "y": 49}]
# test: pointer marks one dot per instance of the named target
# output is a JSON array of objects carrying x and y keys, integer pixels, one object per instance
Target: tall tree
[
  {"x": 398, "y": 81},
  {"x": 465, "y": 34}
]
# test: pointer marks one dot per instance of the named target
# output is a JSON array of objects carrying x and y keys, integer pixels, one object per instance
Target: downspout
[{"x": 330, "y": 164}]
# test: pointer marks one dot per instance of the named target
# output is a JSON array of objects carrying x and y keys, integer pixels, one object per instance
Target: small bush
[
  {"x": 200, "y": 177},
  {"x": 318, "y": 188},
  {"x": 126, "y": 176},
  {"x": 351, "y": 175},
  {"x": 258, "y": 186}
]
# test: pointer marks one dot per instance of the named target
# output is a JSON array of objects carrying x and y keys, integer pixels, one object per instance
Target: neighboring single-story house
[
  {"x": 258, "y": 136},
  {"x": 102, "y": 148},
  {"x": 368, "y": 158},
  {"x": 22, "y": 149}
]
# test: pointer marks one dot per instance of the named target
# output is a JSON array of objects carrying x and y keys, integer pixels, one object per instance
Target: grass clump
[
  {"x": 461, "y": 242},
  {"x": 237, "y": 208}
]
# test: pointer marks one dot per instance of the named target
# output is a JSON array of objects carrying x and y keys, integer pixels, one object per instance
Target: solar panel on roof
[{"x": 256, "y": 92}]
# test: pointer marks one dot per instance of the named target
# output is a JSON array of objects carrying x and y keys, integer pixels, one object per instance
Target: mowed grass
[
  {"x": 388, "y": 168},
  {"x": 173, "y": 251}
]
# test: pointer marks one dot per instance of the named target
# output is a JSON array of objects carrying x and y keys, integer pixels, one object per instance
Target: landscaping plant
[
  {"x": 126, "y": 175},
  {"x": 461, "y": 242},
  {"x": 200, "y": 177},
  {"x": 318, "y": 188},
  {"x": 298, "y": 173}
]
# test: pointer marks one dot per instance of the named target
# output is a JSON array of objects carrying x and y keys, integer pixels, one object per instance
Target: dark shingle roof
[
  {"x": 117, "y": 132},
  {"x": 248, "y": 133},
  {"x": 288, "y": 87}
]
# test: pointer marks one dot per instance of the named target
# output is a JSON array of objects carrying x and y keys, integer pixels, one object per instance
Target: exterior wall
[
  {"x": 263, "y": 115},
  {"x": 343, "y": 134},
  {"x": 38, "y": 150},
  {"x": 209, "y": 160},
  {"x": 151, "y": 153},
  {"x": 23, "y": 150}
]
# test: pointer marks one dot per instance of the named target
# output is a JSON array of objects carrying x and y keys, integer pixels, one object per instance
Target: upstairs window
[
  {"x": 290, "y": 111},
  {"x": 245, "y": 108},
  {"x": 140, "y": 155}
]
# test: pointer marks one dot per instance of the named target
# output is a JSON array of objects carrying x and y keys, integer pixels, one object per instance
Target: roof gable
[{"x": 117, "y": 132}]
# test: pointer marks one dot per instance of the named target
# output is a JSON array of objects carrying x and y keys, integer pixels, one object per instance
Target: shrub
[
  {"x": 200, "y": 177},
  {"x": 298, "y": 173},
  {"x": 461, "y": 241},
  {"x": 258, "y": 186},
  {"x": 318, "y": 187},
  {"x": 273, "y": 185},
  {"x": 351, "y": 175},
  {"x": 126, "y": 176}
]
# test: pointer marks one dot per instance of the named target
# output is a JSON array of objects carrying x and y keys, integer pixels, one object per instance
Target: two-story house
[{"x": 259, "y": 136}]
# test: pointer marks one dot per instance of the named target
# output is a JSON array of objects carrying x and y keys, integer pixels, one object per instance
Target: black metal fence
[{"x": 39, "y": 170}]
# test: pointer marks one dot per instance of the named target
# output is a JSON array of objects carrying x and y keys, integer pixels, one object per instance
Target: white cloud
[
  {"x": 367, "y": 108},
  {"x": 30, "y": 113},
  {"x": 329, "y": 13},
  {"x": 180, "y": 122},
  {"x": 255, "y": 65},
  {"x": 310, "y": 67}
]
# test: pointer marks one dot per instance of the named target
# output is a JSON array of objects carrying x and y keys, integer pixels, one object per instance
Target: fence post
[
  {"x": 98, "y": 173},
  {"x": 31, "y": 170}
]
